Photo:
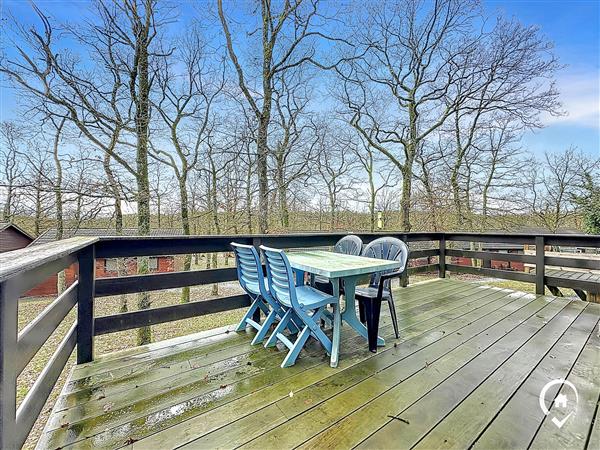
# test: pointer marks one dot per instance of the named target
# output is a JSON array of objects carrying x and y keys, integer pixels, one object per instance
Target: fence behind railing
[{"x": 23, "y": 269}]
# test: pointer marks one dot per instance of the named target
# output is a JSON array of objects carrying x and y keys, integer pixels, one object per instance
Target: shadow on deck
[{"x": 467, "y": 370}]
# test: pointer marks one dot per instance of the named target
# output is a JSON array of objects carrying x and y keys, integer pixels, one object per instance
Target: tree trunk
[
  {"x": 284, "y": 212},
  {"x": 215, "y": 287},
  {"x": 405, "y": 200},
  {"x": 371, "y": 194},
  {"x": 142, "y": 118},
  {"x": 261, "y": 162},
  {"x": 410, "y": 149},
  {"x": 7, "y": 212},
  {"x": 58, "y": 200},
  {"x": 37, "y": 221},
  {"x": 185, "y": 224},
  {"x": 249, "y": 200},
  {"x": 118, "y": 211}
]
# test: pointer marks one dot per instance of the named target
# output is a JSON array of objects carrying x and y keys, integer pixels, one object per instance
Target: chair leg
[
  {"x": 393, "y": 314},
  {"x": 264, "y": 307},
  {"x": 272, "y": 341},
  {"x": 361, "y": 312},
  {"x": 335, "y": 341},
  {"x": 326, "y": 318},
  {"x": 372, "y": 311},
  {"x": 262, "y": 333},
  {"x": 292, "y": 355},
  {"x": 256, "y": 304}
]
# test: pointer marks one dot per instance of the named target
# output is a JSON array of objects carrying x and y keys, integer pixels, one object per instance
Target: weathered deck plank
[
  {"x": 459, "y": 343},
  {"x": 585, "y": 376},
  {"x": 355, "y": 386},
  {"x": 369, "y": 418},
  {"x": 426, "y": 330},
  {"x": 465, "y": 423},
  {"x": 117, "y": 418}
]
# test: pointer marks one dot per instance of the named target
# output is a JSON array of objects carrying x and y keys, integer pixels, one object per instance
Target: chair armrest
[
  {"x": 384, "y": 278},
  {"x": 389, "y": 276}
]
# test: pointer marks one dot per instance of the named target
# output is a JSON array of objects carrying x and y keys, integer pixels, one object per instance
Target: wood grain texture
[
  {"x": 335, "y": 265},
  {"x": 460, "y": 345}
]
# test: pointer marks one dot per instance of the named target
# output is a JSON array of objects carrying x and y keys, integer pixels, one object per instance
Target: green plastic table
[{"x": 349, "y": 268}]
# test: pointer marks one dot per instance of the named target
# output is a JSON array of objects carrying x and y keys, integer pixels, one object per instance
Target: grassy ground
[{"x": 31, "y": 308}]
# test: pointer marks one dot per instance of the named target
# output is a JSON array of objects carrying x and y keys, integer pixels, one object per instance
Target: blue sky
[{"x": 573, "y": 26}]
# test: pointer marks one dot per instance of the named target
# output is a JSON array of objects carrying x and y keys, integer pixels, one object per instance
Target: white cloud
[{"x": 580, "y": 95}]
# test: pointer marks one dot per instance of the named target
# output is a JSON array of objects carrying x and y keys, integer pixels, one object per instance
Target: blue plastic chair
[
  {"x": 303, "y": 302},
  {"x": 252, "y": 280}
]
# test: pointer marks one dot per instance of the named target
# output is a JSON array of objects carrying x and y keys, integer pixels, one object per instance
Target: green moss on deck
[{"x": 215, "y": 390}]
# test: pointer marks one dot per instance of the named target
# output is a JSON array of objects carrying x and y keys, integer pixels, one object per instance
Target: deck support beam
[
  {"x": 442, "y": 258},
  {"x": 540, "y": 265}
]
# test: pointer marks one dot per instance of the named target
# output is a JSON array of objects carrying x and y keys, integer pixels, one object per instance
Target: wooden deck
[
  {"x": 467, "y": 371},
  {"x": 585, "y": 284}
]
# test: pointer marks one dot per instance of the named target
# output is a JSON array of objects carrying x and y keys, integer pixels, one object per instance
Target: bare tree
[
  {"x": 402, "y": 90},
  {"x": 334, "y": 166},
  {"x": 289, "y": 39},
  {"x": 293, "y": 150},
  {"x": 554, "y": 184},
  {"x": 505, "y": 80},
  {"x": 120, "y": 46},
  {"x": 184, "y": 105},
  {"x": 379, "y": 177},
  {"x": 12, "y": 168}
]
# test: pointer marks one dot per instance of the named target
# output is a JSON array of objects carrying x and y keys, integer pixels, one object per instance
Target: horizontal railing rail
[{"x": 22, "y": 270}]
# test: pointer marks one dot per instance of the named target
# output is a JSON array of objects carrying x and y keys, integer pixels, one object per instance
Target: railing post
[
  {"x": 8, "y": 370},
  {"x": 442, "y": 257},
  {"x": 540, "y": 265},
  {"x": 85, "y": 305},
  {"x": 404, "y": 280}
]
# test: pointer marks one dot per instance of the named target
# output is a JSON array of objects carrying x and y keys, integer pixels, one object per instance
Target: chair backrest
[
  {"x": 388, "y": 248},
  {"x": 280, "y": 276},
  {"x": 349, "y": 245},
  {"x": 249, "y": 269}
]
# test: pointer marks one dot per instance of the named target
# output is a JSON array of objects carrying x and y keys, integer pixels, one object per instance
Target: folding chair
[
  {"x": 252, "y": 280},
  {"x": 303, "y": 302}
]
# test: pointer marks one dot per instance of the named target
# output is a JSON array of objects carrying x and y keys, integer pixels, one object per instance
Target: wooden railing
[{"x": 22, "y": 270}]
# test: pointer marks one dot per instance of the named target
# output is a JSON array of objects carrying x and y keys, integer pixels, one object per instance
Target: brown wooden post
[
  {"x": 540, "y": 265},
  {"x": 8, "y": 370},
  {"x": 404, "y": 279},
  {"x": 442, "y": 257},
  {"x": 85, "y": 305}
]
